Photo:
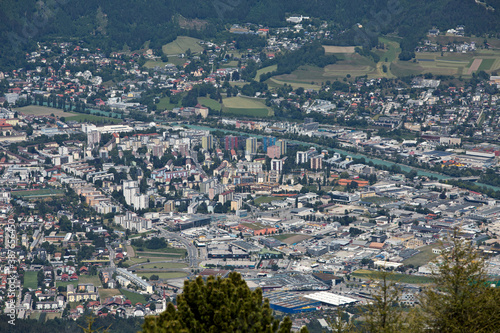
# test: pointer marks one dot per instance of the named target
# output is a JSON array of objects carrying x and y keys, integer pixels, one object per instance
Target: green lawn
[
  {"x": 402, "y": 278},
  {"x": 152, "y": 64},
  {"x": 155, "y": 256},
  {"x": 165, "y": 104},
  {"x": 168, "y": 250},
  {"x": 245, "y": 106},
  {"x": 486, "y": 64},
  {"x": 94, "y": 279},
  {"x": 105, "y": 293},
  {"x": 133, "y": 297},
  {"x": 423, "y": 257},
  {"x": 165, "y": 275},
  {"x": 264, "y": 199},
  {"x": 210, "y": 103},
  {"x": 163, "y": 265},
  {"x": 48, "y": 192},
  {"x": 90, "y": 118},
  {"x": 30, "y": 280},
  {"x": 265, "y": 70},
  {"x": 181, "y": 45}
]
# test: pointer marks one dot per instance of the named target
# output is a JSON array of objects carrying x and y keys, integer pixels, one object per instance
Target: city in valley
[{"x": 123, "y": 174}]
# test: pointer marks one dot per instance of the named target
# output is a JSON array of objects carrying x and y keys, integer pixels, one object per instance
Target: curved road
[{"x": 192, "y": 251}]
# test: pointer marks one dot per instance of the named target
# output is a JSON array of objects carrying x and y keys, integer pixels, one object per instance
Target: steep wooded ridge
[{"x": 112, "y": 24}]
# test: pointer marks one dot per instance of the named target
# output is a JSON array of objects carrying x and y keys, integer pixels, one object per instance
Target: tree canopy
[{"x": 218, "y": 305}]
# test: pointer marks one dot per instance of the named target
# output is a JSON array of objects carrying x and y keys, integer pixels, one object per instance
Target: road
[{"x": 192, "y": 251}]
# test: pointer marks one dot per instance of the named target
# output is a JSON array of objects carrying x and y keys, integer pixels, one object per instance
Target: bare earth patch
[{"x": 338, "y": 49}]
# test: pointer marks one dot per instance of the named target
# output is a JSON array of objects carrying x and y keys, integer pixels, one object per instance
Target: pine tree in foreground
[
  {"x": 216, "y": 306},
  {"x": 461, "y": 300}
]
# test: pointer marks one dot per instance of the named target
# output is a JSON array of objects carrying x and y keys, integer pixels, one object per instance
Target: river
[{"x": 368, "y": 159}]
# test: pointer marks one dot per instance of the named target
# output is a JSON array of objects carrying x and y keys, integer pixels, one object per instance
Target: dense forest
[{"x": 113, "y": 24}]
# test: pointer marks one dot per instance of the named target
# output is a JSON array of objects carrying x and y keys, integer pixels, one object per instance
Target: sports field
[
  {"x": 31, "y": 280},
  {"x": 163, "y": 265},
  {"x": 37, "y": 110},
  {"x": 181, "y": 45},
  {"x": 245, "y": 106},
  {"x": 31, "y": 194}
]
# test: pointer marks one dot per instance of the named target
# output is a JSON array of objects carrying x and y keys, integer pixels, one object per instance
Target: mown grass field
[
  {"x": 105, "y": 293},
  {"x": 265, "y": 70},
  {"x": 47, "y": 192},
  {"x": 163, "y": 265},
  {"x": 396, "y": 277},
  {"x": 164, "y": 275},
  {"x": 90, "y": 118},
  {"x": 37, "y": 110},
  {"x": 153, "y": 64},
  {"x": 30, "y": 280},
  {"x": 210, "y": 103},
  {"x": 264, "y": 199},
  {"x": 165, "y": 104},
  {"x": 94, "y": 279},
  {"x": 423, "y": 257},
  {"x": 181, "y": 45},
  {"x": 244, "y": 106},
  {"x": 133, "y": 297}
]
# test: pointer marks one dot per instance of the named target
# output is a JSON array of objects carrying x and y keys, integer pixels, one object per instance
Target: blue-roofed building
[{"x": 288, "y": 302}]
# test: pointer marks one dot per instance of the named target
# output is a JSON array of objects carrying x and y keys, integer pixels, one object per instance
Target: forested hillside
[{"x": 112, "y": 24}]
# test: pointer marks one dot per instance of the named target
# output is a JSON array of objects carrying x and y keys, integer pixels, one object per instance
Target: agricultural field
[
  {"x": 265, "y": 70},
  {"x": 423, "y": 257},
  {"x": 396, "y": 277},
  {"x": 134, "y": 297},
  {"x": 244, "y": 106},
  {"x": 30, "y": 280},
  {"x": 458, "y": 64},
  {"x": 90, "y": 118},
  {"x": 163, "y": 265},
  {"x": 291, "y": 238},
  {"x": 181, "y": 45},
  {"x": 351, "y": 65},
  {"x": 37, "y": 110},
  {"x": 31, "y": 194},
  {"x": 210, "y": 103}
]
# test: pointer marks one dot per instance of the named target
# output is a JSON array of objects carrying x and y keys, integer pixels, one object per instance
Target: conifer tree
[
  {"x": 216, "y": 306},
  {"x": 461, "y": 300}
]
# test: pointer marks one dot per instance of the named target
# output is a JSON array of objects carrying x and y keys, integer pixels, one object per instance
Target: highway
[{"x": 192, "y": 251}]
